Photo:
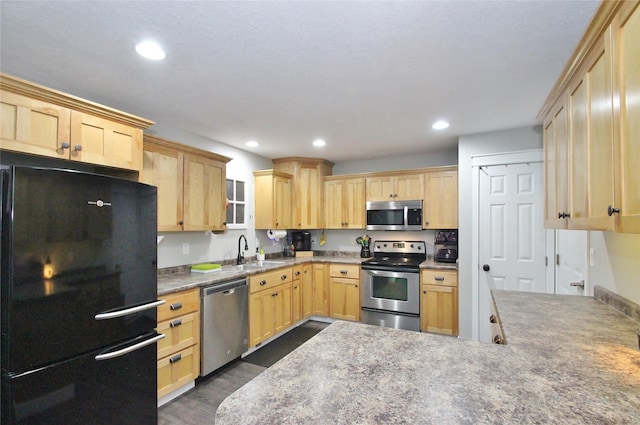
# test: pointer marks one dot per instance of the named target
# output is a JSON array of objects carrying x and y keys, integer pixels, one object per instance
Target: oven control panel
[{"x": 400, "y": 247}]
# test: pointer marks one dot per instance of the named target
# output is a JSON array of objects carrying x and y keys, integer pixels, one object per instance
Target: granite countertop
[
  {"x": 171, "y": 283},
  {"x": 570, "y": 360}
]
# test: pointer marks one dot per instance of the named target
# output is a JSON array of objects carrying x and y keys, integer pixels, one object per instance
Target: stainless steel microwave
[{"x": 394, "y": 215}]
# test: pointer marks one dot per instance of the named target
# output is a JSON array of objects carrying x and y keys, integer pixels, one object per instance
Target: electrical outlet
[{"x": 185, "y": 248}]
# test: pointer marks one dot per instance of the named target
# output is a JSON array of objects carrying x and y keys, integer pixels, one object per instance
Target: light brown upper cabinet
[
  {"x": 592, "y": 127},
  {"x": 308, "y": 189},
  {"x": 273, "y": 199},
  {"x": 440, "y": 206},
  {"x": 344, "y": 203},
  {"x": 191, "y": 185},
  {"x": 395, "y": 187},
  {"x": 40, "y": 121}
]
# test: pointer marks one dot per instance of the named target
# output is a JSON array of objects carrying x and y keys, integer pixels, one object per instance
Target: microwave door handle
[{"x": 406, "y": 216}]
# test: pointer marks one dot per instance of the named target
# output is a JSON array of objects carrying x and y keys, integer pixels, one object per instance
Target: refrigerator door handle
[
  {"x": 127, "y": 311},
  {"x": 134, "y": 347}
]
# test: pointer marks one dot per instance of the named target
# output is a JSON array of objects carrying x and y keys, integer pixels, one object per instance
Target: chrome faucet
[{"x": 246, "y": 248}]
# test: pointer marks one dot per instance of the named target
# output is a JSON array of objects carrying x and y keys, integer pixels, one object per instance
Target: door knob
[{"x": 486, "y": 268}]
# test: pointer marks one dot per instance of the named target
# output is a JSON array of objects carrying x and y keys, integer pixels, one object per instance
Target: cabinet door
[
  {"x": 627, "y": 25},
  {"x": 439, "y": 309},
  {"x": 34, "y": 127},
  {"x": 100, "y": 141},
  {"x": 591, "y": 142},
  {"x": 163, "y": 167},
  {"x": 354, "y": 204},
  {"x": 282, "y": 308},
  {"x": 555, "y": 151},
  {"x": 345, "y": 299},
  {"x": 380, "y": 188},
  {"x": 204, "y": 194},
  {"x": 440, "y": 206},
  {"x": 296, "y": 295},
  {"x": 307, "y": 290},
  {"x": 409, "y": 187},
  {"x": 333, "y": 195},
  {"x": 283, "y": 219},
  {"x": 308, "y": 197},
  {"x": 261, "y": 316},
  {"x": 320, "y": 290}
]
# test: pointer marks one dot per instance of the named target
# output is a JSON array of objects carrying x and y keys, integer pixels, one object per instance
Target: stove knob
[{"x": 419, "y": 247}]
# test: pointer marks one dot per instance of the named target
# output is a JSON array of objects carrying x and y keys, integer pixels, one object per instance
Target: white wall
[
  {"x": 206, "y": 246},
  {"x": 617, "y": 263},
  {"x": 435, "y": 159},
  {"x": 345, "y": 240},
  {"x": 511, "y": 140}
]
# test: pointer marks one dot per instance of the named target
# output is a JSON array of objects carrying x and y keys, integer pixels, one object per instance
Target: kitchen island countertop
[{"x": 570, "y": 360}]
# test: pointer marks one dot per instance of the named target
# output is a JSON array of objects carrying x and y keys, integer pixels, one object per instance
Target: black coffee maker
[{"x": 301, "y": 240}]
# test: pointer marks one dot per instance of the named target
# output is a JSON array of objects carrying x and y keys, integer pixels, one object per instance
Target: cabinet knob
[
  {"x": 564, "y": 215},
  {"x": 263, "y": 282},
  {"x": 424, "y": 292},
  {"x": 283, "y": 277},
  {"x": 356, "y": 286},
  {"x": 274, "y": 295},
  {"x": 611, "y": 210},
  {"x": 78, "y": 148},
  {"x": 391, "y": 195},
  {"x": 181, "y": 222},
  {"x": 65, "y": 145},
  {"x": 297, "y": 273},
  {"x": 497, "y": 340},
  {"x": 426, "y": 223},
  {"x": 492, "y": 319}
]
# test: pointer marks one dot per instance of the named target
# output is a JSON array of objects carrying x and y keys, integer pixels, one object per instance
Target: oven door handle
[
  {"x": 391, "y": 273},
  {"x": 406, "y": 216}
]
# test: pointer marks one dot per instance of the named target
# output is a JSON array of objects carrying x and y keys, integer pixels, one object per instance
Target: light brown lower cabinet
[
  {"x": 307, "y": 290},
  {"x": 439, "y": 302},
  {"x": 270, "y": 304},
  {"x": 320, "y": 304},
  {"x": 179, "y": 351},
  {"x": 296, "y": 294},
  {"x": 344, "y": 291}
]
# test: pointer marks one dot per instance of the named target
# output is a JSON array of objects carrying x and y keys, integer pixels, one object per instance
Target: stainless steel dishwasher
[{"x": 224, "y": 323}]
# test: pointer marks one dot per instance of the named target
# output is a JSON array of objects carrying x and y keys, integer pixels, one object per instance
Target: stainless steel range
[{"x": 391, "y": 284}]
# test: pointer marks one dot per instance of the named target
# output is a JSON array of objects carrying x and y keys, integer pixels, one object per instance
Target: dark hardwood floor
[{"x": 199, "y": 405}]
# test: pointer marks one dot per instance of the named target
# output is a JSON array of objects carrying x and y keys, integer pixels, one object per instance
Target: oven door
[{"x": 391, "y": 290}]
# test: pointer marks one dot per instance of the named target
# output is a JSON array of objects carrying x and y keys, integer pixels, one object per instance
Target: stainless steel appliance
[
  {"x": 78, "y": 298},
  {"x": 391, "y": 284},
  {"x": 394, "y": 215},
  {"x": 225, "y": 323}
]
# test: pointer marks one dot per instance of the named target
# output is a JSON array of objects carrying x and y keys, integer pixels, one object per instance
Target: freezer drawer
[{"x": 83, "y": 390}]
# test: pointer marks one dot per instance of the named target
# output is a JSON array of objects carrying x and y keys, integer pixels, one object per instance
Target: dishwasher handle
[{"x": 227, "y": 287}]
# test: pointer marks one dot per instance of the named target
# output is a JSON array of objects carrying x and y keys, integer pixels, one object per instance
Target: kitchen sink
[
  {"x": 248, "y": 267},
  {"x": 267, "y": 263}
]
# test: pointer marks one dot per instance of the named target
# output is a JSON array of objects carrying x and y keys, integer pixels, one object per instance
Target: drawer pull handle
[
  {"x": 497, "y": 340},
  {"x": 175, "y": 323},
  {"x": 263, "y": 282},
  {"x": 492, "y": 319},
  {"x": 297, "y": 273},
  {"x": 175, "y": 358},
  {"x": 176, "y": 306},
  {"x": 439, "y": 278},
  {"x": 274, "y": 295},
  {"x": 343, "y": 272},
  {"x": 283, "y": 277}
]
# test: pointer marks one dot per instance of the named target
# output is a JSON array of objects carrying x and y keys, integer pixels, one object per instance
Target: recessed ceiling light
[
  {"x": 440, "y": 125},
  {"x": 252, "y": 144},
  {"x": 150, "y": 50},
  {"x": 319, "y": 143}
]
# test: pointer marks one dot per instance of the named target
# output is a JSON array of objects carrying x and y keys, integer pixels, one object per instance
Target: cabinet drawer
[
  {"x": 270, "y": 279},
  {"x": 179, "y": 304},
  {"x": 177, "y": 370},
  {"x": 439, "y": 277},
  {"x": 350, "y": 271},
  {"x": 180, "y": 333}
]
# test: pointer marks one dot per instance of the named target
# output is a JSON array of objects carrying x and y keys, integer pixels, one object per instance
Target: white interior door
[
  {"x": 571, "y": 262},
  {"x": 512, "y": 239}
]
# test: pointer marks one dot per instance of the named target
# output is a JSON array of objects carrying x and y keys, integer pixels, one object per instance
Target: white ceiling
[{"x": 368, "y": 77}]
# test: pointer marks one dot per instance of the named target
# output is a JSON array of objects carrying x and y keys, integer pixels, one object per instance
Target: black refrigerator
[{"x": 78, "y": 298}]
